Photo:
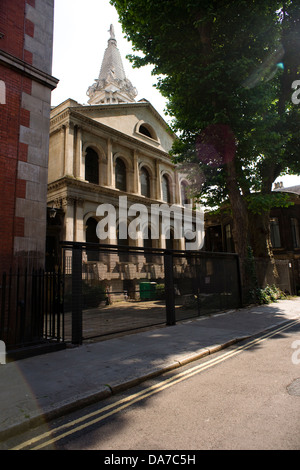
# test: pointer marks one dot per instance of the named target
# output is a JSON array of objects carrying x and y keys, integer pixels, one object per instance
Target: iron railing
[
  {"x": 31, "y": 308},
  {"x": 185, "y": 284}
]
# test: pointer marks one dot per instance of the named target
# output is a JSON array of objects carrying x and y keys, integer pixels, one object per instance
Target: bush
[
  {"x": 269, "y": 294},
  {"x": 160, "y": 291},
  {"x": 92, "y": 295}
]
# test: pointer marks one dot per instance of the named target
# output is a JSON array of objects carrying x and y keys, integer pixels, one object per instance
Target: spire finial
[
  {"x": 112, "y": 32},
  {"x": 112, "y": 86}
]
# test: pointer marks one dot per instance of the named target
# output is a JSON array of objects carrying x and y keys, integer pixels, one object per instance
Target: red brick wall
[{"x": 13, "y": 26}]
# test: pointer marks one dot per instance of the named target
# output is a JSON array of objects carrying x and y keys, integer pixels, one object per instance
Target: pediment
[{"x": 128, "y": 119}]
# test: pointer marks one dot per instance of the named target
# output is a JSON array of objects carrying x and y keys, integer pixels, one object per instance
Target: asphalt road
[{"x": 246, "y": 397}]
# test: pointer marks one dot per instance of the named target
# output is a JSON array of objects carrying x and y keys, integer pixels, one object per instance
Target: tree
[{"x": 227, "y": 69}]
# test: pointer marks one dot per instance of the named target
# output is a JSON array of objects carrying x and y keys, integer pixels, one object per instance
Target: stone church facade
[{"x": 113, "y": 147}]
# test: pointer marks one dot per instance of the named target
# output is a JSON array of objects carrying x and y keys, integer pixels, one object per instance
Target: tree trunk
[
  {"x": 239, "y": 212},
  {"x": 259, "y": 234},
  {"x": 260, "y": 239},
  {"x": 240, "y": 222}
]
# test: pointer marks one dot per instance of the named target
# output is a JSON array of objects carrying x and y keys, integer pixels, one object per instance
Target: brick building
[{"x": 26, "y": 37}]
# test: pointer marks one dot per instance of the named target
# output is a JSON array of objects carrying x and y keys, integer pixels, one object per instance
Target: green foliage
[
  {"x": 160, "y": 292},
  {"x": 269, "y": 294},
  {"x": 217, "y": 64},
  {"x": 92, "y": 295},
  {"x": 260, "y": 203},
  {"x": 218, "y": 67}
]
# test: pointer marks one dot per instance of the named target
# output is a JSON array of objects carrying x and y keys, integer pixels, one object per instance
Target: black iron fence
[
  {"x": 31, "y": 308},
  {"x": 111, "y": 289}
]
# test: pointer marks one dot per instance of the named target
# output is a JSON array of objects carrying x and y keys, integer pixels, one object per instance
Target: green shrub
[
  {"x": 269, "y": 294},
  {"x": 92, "y": 295}
]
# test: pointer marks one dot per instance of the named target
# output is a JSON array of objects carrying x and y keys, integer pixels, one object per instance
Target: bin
[{"x": 148, "y": 290}]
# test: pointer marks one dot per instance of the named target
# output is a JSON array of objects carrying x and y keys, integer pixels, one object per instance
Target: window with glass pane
[
  {"x": 295, "y": 233},
  {"x": 145, "y": 182},
  {"x": 92, "y": 166},
  {"x": 120, "y": 174},
  {"x": 166, "y": 189},
  {"x": 275, "y": 233}
]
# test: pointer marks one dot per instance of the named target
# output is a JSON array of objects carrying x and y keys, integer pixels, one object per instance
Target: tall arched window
[
  {"x": 120, "y": 175},
  {"x": 166, "y": 189},
  {"x": 92, "y": 166},
  {"x": 145, "y": 182}
]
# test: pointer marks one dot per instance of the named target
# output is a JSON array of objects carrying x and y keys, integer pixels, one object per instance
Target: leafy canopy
[{"x": 226, "y": 68}]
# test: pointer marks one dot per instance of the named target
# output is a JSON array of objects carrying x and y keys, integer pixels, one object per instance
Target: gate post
[
  {"x": 169, "y": 289},
  {"x": 76, "y": 294}
]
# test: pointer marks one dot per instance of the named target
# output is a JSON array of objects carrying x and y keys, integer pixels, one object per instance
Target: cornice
[
  {"x": 70, "y": 189},
  {"x": 66, "y": 184},
  {"x": 28, "y": 70}
]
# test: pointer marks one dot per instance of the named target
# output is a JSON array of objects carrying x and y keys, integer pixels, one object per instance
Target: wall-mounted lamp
[{"x": 52, "y": 213}]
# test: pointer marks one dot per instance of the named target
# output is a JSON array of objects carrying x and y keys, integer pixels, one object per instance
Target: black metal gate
[
  {"x": 111, "y": 289},
  {"x": 31, "y": 308}
]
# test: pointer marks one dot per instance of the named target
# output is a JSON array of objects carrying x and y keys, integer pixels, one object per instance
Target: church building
[{"x": 114, "y": 146}]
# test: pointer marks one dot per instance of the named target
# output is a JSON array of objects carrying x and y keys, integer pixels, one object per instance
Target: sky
[{"x": 81, "y": 32}]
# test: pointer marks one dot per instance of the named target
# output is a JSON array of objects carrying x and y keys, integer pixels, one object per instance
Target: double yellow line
[{"x": 99, "y": 415}]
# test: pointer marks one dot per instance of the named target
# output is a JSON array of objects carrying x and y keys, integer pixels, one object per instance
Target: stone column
[
  {"x": 177, "y": 189},
  {"x": 79, "y": 170},
  {"x": 110, "y": 164},
  {"x": 79, "y": 226},
  {"x": 68, "y": 207},
  {"x": 136, "y": 175},
  {"x": 69, "y": 149},
  {"x": 158, "y": 180}
]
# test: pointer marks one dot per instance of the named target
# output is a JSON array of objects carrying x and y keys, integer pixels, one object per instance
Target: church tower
[{"x": 112, "y": 86}]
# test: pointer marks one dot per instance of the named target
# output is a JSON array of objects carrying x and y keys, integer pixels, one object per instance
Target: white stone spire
[{"x": 112, "y": 86}]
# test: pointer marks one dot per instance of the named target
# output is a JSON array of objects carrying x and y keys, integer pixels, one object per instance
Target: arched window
[
  {"x": 166, "y": 189},
  {"x": 92, "y": 166},
  {"x": 145, "y": 182},
  {"x": 147, "y": 130},
  {"x": 184, "y": 194},
  {"x": 120, "y": 175},
  {"x": 91, "y": 237}
]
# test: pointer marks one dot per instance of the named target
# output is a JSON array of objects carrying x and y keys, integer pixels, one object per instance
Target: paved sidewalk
[{"x": 35, "y": 389}]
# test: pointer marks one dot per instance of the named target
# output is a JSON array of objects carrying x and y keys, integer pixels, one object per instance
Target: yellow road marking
[{"x": 147, "y": 392}]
